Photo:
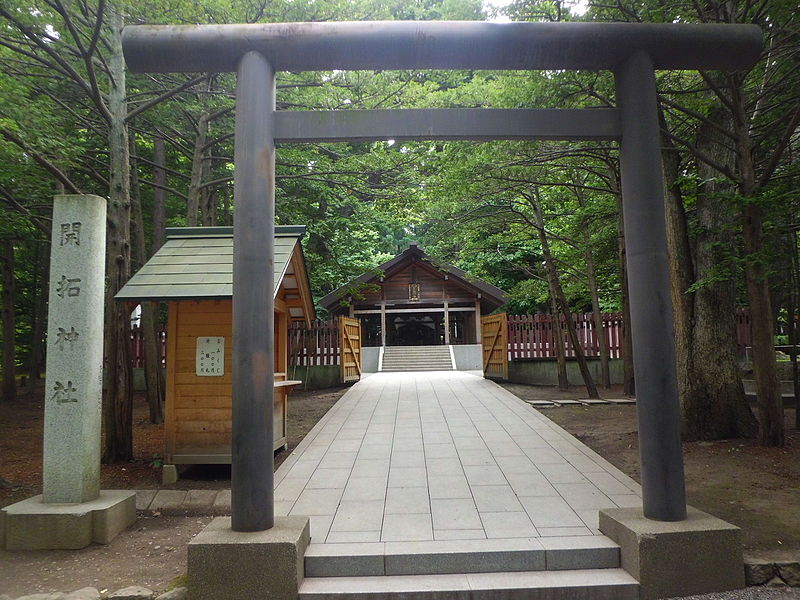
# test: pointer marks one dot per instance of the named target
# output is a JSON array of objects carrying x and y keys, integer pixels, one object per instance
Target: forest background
[{"x": 539, "y": 219}]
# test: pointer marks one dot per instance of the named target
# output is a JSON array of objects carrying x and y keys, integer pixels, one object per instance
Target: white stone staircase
[
  {"x": 417, "y": 358},
  {"x": 574, "y": 568}
]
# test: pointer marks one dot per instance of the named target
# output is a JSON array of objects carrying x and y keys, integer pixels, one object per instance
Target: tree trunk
[
  {"x": 159, "y": 195},
  {"x": 118, "y": 405},
  {"x": 37, "y": 356},
  {"x": 770, "y": 402},
  {"x": 628, "y": 380},
  {"x": 712, "y": 397},
  {"x": 680, "y": 265},
  {"x": 561, "y": 302},
  {"x": 558, "y": 337},
  {"x": 794, "y": 325},
  {"x": 152, "y": 358},
  {"x": 151, "y": 310},
  {"x": 9, "y": 322},
  {"x": 600, "y": 332},
  {"x": 208, "y": 197},
  {"x": 195, "y": 191},
  {"x": 768, "y": 391}
]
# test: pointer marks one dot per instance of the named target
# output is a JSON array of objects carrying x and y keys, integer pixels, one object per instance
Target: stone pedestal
[
  {"x": 263, "y": 565},
  {"x": 34, "y": 525},
  {"x": 73, "y": 393},
  {"x": 700, "y": 555}
]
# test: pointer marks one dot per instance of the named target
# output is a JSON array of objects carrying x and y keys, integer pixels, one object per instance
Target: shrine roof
[{"x": 196, "y": 263}]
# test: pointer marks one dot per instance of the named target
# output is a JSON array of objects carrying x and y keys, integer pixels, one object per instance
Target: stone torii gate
[{"x": 631, "y": 51}]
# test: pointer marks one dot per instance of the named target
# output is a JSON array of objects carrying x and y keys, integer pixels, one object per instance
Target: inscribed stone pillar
[{"x": 72, "y": 414}]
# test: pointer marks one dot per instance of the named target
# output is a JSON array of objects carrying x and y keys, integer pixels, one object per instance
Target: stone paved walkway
[{"x": 430, "y": 456}]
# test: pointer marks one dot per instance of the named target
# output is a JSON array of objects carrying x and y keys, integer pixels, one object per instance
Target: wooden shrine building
[
  {"x": 415, "y": 300},
  {"x": 193, "y": 273}
]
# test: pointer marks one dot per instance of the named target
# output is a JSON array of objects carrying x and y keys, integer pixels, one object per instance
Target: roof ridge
[{"x": 227, "y": 231}]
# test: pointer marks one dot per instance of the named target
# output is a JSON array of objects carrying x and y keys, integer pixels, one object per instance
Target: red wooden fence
[
  {"x": 534, "y": 336},
  {"x": 137, "y": 346},
  {"x": 529, "y": 336}
]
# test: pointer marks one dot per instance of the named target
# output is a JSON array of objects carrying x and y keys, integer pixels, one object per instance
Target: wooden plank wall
[
  {"x": 198, "y": 409},
  {"x": 198, "y": 415}
]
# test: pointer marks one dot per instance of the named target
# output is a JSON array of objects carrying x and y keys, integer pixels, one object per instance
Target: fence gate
[
  {"x": 494, "y": 335},
  {"x": 350, "y": 339}
]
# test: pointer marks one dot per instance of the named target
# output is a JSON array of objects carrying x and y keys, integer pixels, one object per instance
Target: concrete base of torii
[
  {"x": 700, "y": 555},
  {"x": 33, "y": 525}
]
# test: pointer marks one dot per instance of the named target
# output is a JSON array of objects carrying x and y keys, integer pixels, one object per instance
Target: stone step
[
  {"x": 412, "y": 369},
  {"x": 416, "y": 358},
  {"x": 599, "y": 584},
  {"x": 461, "y": 556},
  {"x": 417, "y": 363}
]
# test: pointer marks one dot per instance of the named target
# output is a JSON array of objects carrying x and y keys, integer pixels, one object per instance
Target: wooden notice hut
[{"x": 193, "y": 273}]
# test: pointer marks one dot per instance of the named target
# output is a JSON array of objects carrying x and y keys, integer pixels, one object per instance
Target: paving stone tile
[
  {"x": 168, "y": 500},
  {"x": 375, "y": 451},
  {"x": 314, "y": 502},
  {"x": 626, "y": 500},
  {"x": 455, "y": 513},
  {"x": 607, "y": 483},
  {"x": 407, "y": 527},
  {"x": 282, "y": 508},
  {"x": 505, "y": 449},
  {"x": 371, "y": 468},
  {"x": 448, "y": 486},
  {"x": 548, "y": 511},
  {"x": 583, "y": 495},
  {"x": 459, "y": 534},
  {"x": 289, "y": 489},
  {"x": 340, "y": 445},
  {"x": 408, "y": 458},
  {"x": 563, "y": 531},
  {"x": 144, "y": 498},
  {"x": 476, "y": 458},
  {"x": 337, "y": 460},
  {"x": 469, "y": 443},
  {"x": 530, "y": 484},
  {"x": 484, "y": 475},
  {"x": 364, "y": 488},
  {"x": 561, "y": 473},
  {"x": 508, "y": 525},
  {"x": 590, "y": 517},
  {"x": 496, "y": 498},
  {"x": 343, "y": 537},
  {"x": 328, "y": 478},
  {"x": 365, "y": 515},
  {"x": 407, "y": 477},
  {"x": 200, "y": 499},
  {"x": 443, "y": 466},
  {"x": 544, "y": 455},
  {"x": 408, "y": 500},
  {"x": 303, "y": 469},
  {"x": 443, "y": 450},
  {"x": 222, "y": 503},
  {"x": 319, "y": 526},
  {"x": 516, "y": 464},
  {"x": 530, "y": 440}
]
